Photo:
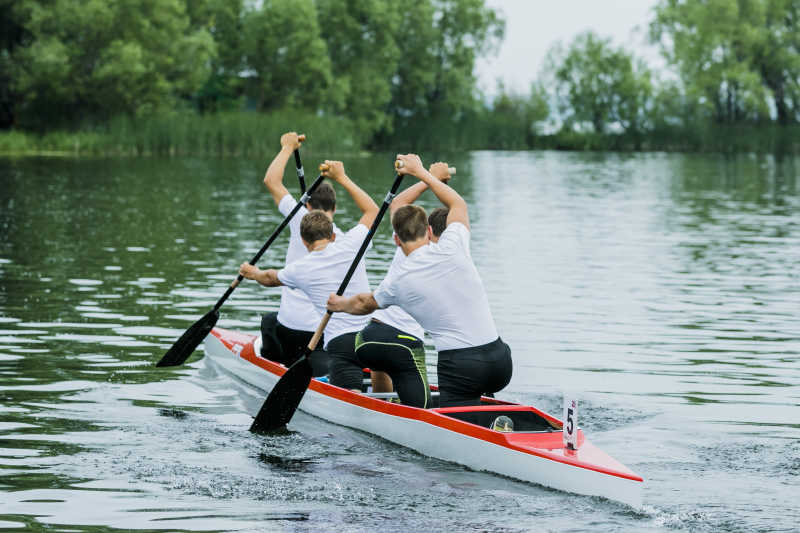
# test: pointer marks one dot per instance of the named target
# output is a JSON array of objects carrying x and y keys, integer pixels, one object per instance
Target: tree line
[
  {"x": 390, "y": 72},
  {"x": 375, "y": 62}
]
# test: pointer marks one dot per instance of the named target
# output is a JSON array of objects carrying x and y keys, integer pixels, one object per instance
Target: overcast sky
[{"x": 533, "y": 25}]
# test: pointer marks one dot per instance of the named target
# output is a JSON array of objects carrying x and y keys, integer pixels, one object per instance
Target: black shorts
[
  {"x": 345, "y": 370},
  {"x": 383, "y": 347},
  {"x": 285, "y": 345},
  {"x": 467, "y": 373}
]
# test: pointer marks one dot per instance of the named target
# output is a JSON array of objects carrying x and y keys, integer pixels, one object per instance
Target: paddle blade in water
[
  {"x": 282, "y": 402},
  {"x": 190, "y": 340}
]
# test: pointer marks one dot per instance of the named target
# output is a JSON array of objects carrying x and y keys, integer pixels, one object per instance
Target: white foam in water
[
  {"x": 145, "y": 282},
  {"x": 129, "y": 344},
  {"x": 70, "y": 325},
  {"x": 8, "y": 426},
  {"x": 95, "y": 357},
  {"x": 153, "y": 331},
  {"x": 22, "y": 332},
  {"x": 30, "y": 350},
  {"x": 19, "y": 452},
  {"x": 134, "y": 318},
  {"x": 89, "y": 306},
  {"x": 85, "y": 338},
  {"x": 86, "y": 282},
  {"x": 113, "y": 316},
  {"x": 16, "y": 340},
  {"x": 63, "y": 386}
]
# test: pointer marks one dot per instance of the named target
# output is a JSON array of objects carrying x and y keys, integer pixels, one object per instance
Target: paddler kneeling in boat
[
  {"x": 320, "y": 272},
  {"x": 439, "y": 286},
  {"x": 392, "y": 341},
  {"x": 284, "y": 334}
]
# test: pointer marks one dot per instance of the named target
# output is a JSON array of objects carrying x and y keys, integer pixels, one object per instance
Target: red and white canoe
[{"x": 534, "y": 452}]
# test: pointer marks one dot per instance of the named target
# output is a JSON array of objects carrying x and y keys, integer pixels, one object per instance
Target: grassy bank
[
  {"x": 254, "y": 134},
  {"x": 706, "y": 138},
  {"x": 187, "y": 133},
  {"x": 488, "y": 131}
]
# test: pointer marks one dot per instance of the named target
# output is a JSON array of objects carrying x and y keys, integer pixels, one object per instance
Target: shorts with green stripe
[{"x": 382, "y": 347}]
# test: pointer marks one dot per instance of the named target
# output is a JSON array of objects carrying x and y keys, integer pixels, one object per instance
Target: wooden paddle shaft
[
  {"x": 312, "y": 344},
  {"x": 399, "y": 164}
]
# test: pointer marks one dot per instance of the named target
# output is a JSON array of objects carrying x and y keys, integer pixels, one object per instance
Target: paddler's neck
[
  {"x": 317, "y": 246},
  {"x": 410, "y": 246}
]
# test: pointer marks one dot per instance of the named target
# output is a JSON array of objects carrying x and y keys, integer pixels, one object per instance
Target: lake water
[{"x": 661, "y": 290}]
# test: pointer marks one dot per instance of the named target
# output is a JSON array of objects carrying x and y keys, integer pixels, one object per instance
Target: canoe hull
[{"x": 534, "y": 457}]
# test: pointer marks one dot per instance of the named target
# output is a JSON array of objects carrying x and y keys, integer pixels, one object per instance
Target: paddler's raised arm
[
  {"x": 273, "y": 179},
  {"x": 369, "y": 209},
  {"x": 439, "y": 170},
  {"x": 449, "y": 197},
  {"x": 360, "y": 304}
]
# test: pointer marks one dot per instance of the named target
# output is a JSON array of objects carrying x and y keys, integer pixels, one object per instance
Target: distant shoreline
[
  {"x": 253, "y": 134},
  {"x": 184, "y": 141}
]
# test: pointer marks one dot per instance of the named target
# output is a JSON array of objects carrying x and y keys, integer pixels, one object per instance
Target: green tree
[
  {"x": 287, "y": 55},
  {"x": 734, "y": 56},
  {"x": 710, "y": 43},
  {"x": 512, "y": 121},
  {"x": 598, "y": 84},
  {"x": 98, "y": 59},
  {"x": 778, "y": 57},
  {"x": 224, "y": 20},
  {"x": 439, "y": 42},
  {"x": 12, "y": 34},
  {"x": 361, "y": 38}
]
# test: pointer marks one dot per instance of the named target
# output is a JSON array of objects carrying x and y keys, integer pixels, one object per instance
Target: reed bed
[{"x": 187, "y": 133}]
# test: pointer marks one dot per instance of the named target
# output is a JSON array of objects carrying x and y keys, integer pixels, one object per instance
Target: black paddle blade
[
  {"x": 190, "y": 340},
  {"x": 282, "y": 402}
]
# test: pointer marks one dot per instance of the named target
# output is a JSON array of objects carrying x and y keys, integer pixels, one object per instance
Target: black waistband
[
  {"x": 383, "y": 326},
  {"x": 488, "y": 347}
]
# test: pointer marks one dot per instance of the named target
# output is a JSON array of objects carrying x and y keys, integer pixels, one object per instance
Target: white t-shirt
[
  {"x": 394, "y": 315},
  {"x": 296, "y": 310},
  {"x": 320, "y": 273},
  {"x": 440, "y": 287}
]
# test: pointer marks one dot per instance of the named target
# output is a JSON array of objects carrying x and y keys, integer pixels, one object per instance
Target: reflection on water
[{"x": 662, "y": 289}]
